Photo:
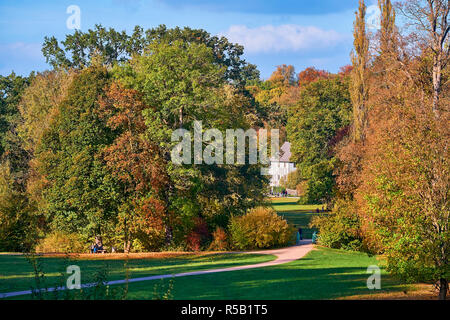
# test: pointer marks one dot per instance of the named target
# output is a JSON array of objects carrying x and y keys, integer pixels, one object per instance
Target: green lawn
[
  {"x": 322, "y": 274},
  {"x": 295, "y": 214},
  {"x": 16, "y": 273}
]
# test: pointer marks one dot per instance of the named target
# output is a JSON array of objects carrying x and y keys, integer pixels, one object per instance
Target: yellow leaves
[{"x": 260, "y": 228}]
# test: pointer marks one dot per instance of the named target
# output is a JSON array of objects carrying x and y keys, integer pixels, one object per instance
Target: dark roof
[{"x": 285, "y": 153}]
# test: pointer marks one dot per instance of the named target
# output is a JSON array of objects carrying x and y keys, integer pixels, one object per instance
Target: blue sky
[{"x": 299, "y": 32}]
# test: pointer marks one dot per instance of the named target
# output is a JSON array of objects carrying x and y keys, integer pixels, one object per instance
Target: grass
[
  {"x": 16, "y": 273},
  {"x": 295, "y": 214},
  {"x": 322, "y": 274}
]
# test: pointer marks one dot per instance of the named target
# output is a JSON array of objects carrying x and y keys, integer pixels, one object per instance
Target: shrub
[
  {"x": 340, "y": 229},
  {"x": 220, "y": 240},
  {"x": 60, "y": 242},
  {"x": 198, "y": 237},
  {"x": 260, "y": 228}
]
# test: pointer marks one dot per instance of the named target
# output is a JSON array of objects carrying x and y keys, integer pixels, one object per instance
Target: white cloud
[
  {"x": 288, "y": 37},
  {"x": 373, "y": 17}
]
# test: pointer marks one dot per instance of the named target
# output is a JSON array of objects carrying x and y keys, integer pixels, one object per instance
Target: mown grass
[
  {"x": 16, "y": 273},
  {"x": 296, "y": 214},
  {"x": 322, "y": 274}
]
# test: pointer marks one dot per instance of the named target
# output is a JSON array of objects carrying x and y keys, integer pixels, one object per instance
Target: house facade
[{"x": 282, "y": 166}]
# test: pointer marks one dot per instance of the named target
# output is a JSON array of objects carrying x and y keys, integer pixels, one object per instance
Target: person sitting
[{"x": 98, "y": 246}]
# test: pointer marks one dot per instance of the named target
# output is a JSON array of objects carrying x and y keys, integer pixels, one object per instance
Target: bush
[
  {"x": 220, "y": 240},
  {"x": 60, "y": 242},
  {"x": 340, "y": 229},
  {"x": 260, "y": 228},
  {"x": 199, "y": 235}
]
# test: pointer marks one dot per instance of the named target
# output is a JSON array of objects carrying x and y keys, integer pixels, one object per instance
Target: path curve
[{"x": 283, "y": 255}]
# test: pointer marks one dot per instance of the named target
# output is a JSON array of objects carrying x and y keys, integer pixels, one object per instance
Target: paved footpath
[{"x": 284, "y": 255}]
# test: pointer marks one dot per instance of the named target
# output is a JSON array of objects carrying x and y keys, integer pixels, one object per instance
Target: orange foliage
[{"x": 311, "y": 74}]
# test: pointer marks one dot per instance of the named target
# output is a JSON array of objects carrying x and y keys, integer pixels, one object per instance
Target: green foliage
[
  {"x": 181, "y": 82},
  {"x": 260, "y": 228},
  {"x": 163, "y": 290},
  {"x": 176, "y": 77},
  {"x": 80, "y": 194},
  {"x": 323, "y": 109},
  {"x": 61, "y": 242},
  {"x": 339, "y": 229},
  {"x": 39, "y": 102},
  {"x": 290, "y": 181},
  {"x": 320, "y": 183},
  {"x": 94, "y": 173},
  {"x": 11, "y": 149},
  {"x": 79, "y": 48},
  {"x": 11, "y": 89},
  {"x": 18, "y": 223}
]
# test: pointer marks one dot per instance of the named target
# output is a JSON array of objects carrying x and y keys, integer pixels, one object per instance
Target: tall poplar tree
[
  {"x": 359, "y": 88},
  {"x": 387, "y": 25}
]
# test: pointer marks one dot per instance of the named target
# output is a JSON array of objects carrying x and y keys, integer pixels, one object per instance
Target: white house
[{"x": 282, "y": 166}]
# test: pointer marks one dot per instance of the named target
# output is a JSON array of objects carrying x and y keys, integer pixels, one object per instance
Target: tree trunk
[
  {"x": 126, "y": 246},
  {"x": 437, "y": 79},
  {"x": 169, "y": 235},
  {"x": 443, "y": 289}
]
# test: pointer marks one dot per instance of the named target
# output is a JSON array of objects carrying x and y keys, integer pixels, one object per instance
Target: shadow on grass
[
  {"x": 16, "y": 273},
  {"x": 303, "y": 279}
]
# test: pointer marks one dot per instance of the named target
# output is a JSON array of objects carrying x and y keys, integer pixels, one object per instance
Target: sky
[{"x": 301, "y": 33}]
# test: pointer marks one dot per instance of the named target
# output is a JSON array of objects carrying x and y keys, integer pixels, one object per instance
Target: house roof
[{"x": 285, "y": 153}]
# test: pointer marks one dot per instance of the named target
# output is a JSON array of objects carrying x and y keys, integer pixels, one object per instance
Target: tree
[
  {"x": 322, "y": 110},
  {"x": 360, "y": 60},
  {"x": 39, "y": 103},
  {"x": 429, "y": 18},
  {"x": 11, "y": 151},
  {"x": 18, "y": 223},
  {"x": 402, "y": 192},
  {"x": 403, "y": 197},
  {"x": 138, "y": 165},
  {"x": 387, "y": 29},
  {"x": 79, "y": 193},
  {"x": 340, "y": 229},
  {"x": 311, "y": 74},
  {"x": 180, "y": 82},
  {"x": 11, "y": 89},
  {"x": 283, "y": 76},
  {"x": 112, "y": 47}
]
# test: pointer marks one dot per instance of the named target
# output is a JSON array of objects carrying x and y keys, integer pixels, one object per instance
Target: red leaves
[
  {"x": 196, "y": 238},
  {"x": 133, "y": 159},
  {"x": 311, "y": 74}
]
